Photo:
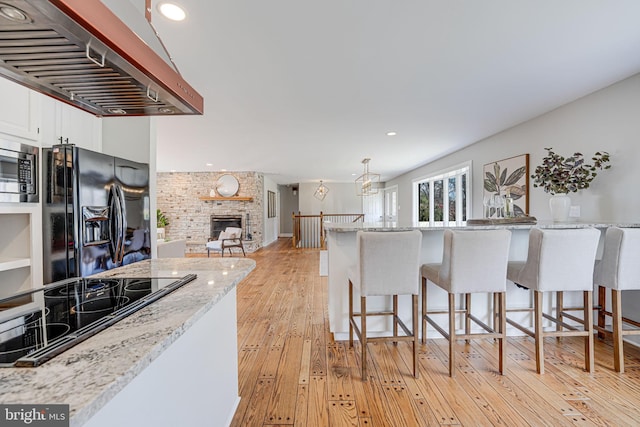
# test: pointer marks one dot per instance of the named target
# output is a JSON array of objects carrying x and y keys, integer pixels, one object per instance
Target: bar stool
[
  {"x": 388, "y": 264},
  {"x": 558, "y": 260},
  {"x": 472, "y": 262},
  {"x": 619, "y": 270}
]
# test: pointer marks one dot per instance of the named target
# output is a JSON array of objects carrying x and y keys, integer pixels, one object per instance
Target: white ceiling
[{"x": 304, "y": 90}]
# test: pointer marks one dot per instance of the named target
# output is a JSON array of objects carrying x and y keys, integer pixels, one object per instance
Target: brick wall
[{"x": 189, "y": 217}]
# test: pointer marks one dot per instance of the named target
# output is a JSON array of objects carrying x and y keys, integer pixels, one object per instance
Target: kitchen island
[
  {"x": 171, "y": 363},
  {"x": 341, "y": 246}
]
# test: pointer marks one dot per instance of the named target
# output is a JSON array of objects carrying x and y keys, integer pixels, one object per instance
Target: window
[{"x": 442, "y": 198}]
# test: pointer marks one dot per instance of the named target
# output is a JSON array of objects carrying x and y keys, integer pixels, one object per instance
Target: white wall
[
  {"x": 128, "y": 138},
  {"x": 271, "y": 225},
  {"x": 605, "y": 120},
  {"x": 341, "y": 199}
]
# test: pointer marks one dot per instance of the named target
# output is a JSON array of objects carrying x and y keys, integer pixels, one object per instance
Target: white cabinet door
[
  {"x": 19, "y": 110},
  {"x": 79, "y": 127},
  {"x": 73, "y": 125}
]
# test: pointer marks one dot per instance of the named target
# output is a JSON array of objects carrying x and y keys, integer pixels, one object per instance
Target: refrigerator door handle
[
  {"x": 115, "y": 227},
  {"x": 123, "y": 221}
]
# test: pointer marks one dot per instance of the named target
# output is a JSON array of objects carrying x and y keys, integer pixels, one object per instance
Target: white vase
[{"x": 560, "y": 204}]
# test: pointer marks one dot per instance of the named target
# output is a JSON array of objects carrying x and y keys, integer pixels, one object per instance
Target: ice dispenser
[{"x": 95, "y": 225}]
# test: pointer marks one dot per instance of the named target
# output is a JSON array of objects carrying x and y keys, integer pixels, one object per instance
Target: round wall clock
[{"x": 227, "y": 185}]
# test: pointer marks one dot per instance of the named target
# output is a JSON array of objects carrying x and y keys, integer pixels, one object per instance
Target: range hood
[{"x": 81, "y": 53}]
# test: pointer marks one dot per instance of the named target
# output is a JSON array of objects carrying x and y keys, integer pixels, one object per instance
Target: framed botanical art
[{"x": 507, "y": 176}]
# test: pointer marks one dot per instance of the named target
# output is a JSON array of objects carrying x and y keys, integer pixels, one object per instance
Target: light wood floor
[{"x": 291, "y": 372}]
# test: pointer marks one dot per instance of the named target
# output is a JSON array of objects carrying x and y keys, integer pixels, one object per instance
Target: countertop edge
[{"x": 351, "y": 227}]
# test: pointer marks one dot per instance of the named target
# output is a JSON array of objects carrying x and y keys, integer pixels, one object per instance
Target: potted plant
[
  {"x": 161, "y": 223},
  {"x": 559, "y": 176}
]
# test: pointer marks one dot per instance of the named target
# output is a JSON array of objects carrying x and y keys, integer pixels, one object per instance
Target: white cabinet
[
  {"x": 73, "y": 125},
  {"x": 19, "y": 110},
  {"x": 20, "y": 250}
]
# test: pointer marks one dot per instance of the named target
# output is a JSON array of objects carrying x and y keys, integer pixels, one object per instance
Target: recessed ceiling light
[
  {"x": 391, "y": 133},
  {"x": 209, "y": 164},
  {"x": 172, "y": 11},
  {"x": 13, "y": 14}
]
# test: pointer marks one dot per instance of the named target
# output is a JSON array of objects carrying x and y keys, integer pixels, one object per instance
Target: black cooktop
[{"x": 56, "y": 317}]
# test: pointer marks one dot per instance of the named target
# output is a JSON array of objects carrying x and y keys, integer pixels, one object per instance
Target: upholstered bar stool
[
  {"x": 618, "y": 270},
  {"x": 388, "y": 264},
  {"x": 558, "y": 260},
  {"x": 473, "y": 261}
]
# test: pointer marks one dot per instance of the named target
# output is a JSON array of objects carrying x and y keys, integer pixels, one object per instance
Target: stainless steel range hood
[{"x": 80, "y": 52}]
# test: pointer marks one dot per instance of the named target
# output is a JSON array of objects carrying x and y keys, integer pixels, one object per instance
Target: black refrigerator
[{"x": 95, "y": 212}]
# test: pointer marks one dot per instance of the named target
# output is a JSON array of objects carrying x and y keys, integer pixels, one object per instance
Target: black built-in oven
[{"x": 18, "y": 172}]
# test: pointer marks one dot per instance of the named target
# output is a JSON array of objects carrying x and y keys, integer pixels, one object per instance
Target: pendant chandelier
[
  {"x": 321, "y": 191},
  {"x": 367, "y": 183}
]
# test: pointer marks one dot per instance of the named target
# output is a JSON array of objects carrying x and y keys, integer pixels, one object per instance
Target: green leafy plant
[
  {"x": 560, "y": 175},
  {"x": 162, "y": 220}
]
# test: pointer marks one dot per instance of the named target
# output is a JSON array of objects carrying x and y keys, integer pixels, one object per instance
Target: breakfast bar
[
  {"x": 173, "y": 362},
  {"x": 341, "y": 246}
]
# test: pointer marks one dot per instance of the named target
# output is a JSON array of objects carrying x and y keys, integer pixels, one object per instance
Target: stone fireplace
[{"x": 184, "y": 198}]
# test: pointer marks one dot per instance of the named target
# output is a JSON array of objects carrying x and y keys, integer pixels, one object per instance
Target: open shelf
[
  {"x": 228, "y": 199},
  {"x": 7, "y": 263}
]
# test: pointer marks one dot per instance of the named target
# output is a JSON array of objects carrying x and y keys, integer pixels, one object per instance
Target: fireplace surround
[{"x": 220, "y": 222}]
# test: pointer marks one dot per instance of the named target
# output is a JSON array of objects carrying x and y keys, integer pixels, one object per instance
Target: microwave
[{"x": 18, "y": 172}]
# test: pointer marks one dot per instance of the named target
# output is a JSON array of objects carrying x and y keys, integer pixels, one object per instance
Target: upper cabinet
[
  {"x": 31, "y": 116},
  {"x": 19, "y": 111},
  {"x": 73, "y": 125}
]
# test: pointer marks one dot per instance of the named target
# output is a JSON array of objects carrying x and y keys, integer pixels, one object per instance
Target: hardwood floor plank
[
  {"x": 250, "y": 413},
  {"x": 249, "y": 362},
  {"x": 343, "y": 413},
  {"x": 339, "y": 381},
  {"x": 282, "y": 406},
  {"x": 318, "y": 410},
  {"x": 359, "y": 392},
  {"x": 302, "y": 406},
  {"x": 305, "y": 363},
  {"x": 318, "y": 350}
]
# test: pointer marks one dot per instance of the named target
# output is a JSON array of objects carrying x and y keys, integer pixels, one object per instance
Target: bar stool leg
[
  {"x": 496, "y": 319},
  {"x": 502, "y": 345},
  {"x": 559, "y": 308},
  {"x": 350, "y": 314},
  {"x": 395, "y": 318},
  {"x": 538, "y": 331},
  {"x": 424, "y": 310},
  {"x": 414, "y": 299},
  {"x": 589, "y": 361},
  {"x": 363, "y": 332},
  {"x": 616, "y": 308},
  {"x": 467, "y": 316},
  {"x": 602, "y": 307},
  {"x": 452, "y": 335}
]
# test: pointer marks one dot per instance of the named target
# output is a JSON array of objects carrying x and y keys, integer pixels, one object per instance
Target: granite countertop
[
  {"x": 380, "y": 226},
  {"x": 88, "y": 375}
]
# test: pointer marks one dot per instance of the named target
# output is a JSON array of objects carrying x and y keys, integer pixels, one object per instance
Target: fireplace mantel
[{"x": 235, "y": 198}]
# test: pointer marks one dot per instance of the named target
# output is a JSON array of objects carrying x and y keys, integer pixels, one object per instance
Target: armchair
[{"x": 231, "y": 237}]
